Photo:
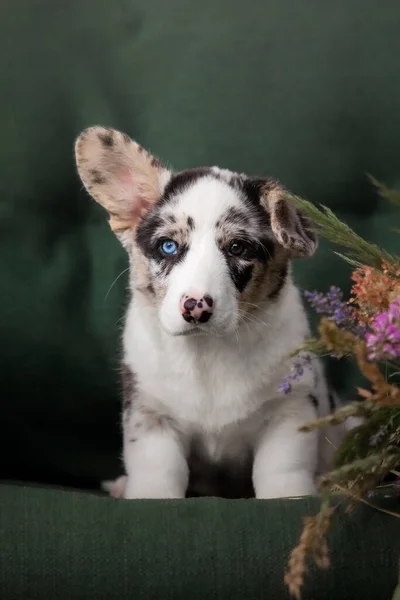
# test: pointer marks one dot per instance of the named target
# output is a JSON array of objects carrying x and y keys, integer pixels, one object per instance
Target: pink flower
[{"x": 384, "y": 341}]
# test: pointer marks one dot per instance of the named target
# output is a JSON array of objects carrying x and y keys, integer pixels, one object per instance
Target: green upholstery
[
  {"x": 308, "y": 92},
  {"x": 76, "y": 546}
]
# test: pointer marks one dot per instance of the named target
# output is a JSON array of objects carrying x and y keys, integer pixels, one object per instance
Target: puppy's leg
[
  {"x": 285, "y": 460},
  {"x": 154, "y": 457},
  {"x": 115, "y": 488}
]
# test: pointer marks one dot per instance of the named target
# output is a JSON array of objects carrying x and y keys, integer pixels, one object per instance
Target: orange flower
[{"x": 373, "y": 291}]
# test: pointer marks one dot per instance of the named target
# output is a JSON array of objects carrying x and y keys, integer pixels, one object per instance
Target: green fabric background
[
  {"x": 57, "y": 545},
  {"x": 308, "y": 92}
]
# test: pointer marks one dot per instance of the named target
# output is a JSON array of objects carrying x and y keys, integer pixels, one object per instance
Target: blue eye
[{"x": 169, "y": 247}]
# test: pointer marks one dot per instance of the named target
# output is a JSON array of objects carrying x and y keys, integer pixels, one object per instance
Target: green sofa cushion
[
  {"x": 72, "y": 545},
  {"x": 307, "y": 92}
]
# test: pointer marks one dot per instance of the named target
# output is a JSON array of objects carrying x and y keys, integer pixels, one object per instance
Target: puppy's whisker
[
  {"x": 246, "y": 323},
  {"x": 254, "y": 319},
  {"x": 250, "y": 304},
  {"x": 267, "y": 252},
  {"x": 114, "y": 282}
]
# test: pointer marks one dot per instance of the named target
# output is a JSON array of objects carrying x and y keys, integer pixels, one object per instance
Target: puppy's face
[{"x": 207, "y": 246}]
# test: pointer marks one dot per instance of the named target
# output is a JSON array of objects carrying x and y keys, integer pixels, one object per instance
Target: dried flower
[
  {"x": 300, "y": 362},
  {"x": 373, "y": 291},
  {"x": 361, "y": 474},
  {"x": 384, "y": 341},
  {"x": 337, "y": 340},
  {"x": 378, "y": 436},
  {"x": 312, "y": 541},
  {"x": 340, "y": 415},
  {"x": 385, "y": 394}
]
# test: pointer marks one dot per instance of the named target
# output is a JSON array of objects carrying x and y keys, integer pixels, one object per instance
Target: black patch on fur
[
  {"x": 190, "y": 223},
  {"x": 240, "y": 275},
  {"x": 132, "y": 440},
  {"x": 97, "y": 177},
  {"x": 106, "y": 139},
  {"x": 263, "y": 250},
  {"x": 281, "y": 280},
  {"x": 170, "y": 218},
  {"x": 235, "y": 216},
  {"x": 145, "y": 233},
  {"x": 182, "y": 181},
  {"x": 155, "y": 162},
  {"x": 252, "y": 189},
  {"x": 314, "y": 400}
]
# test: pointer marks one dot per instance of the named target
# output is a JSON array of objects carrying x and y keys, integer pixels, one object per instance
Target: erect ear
[
  {"x": 289, "y": 226},
  {"x": 119, "y": 174}
]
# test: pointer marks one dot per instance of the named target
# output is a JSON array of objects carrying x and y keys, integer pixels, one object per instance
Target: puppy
[{"x": 212, "y": 320}]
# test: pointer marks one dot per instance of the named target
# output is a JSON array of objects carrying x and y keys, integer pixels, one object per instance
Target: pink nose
[{"x": 196, "y": 308}]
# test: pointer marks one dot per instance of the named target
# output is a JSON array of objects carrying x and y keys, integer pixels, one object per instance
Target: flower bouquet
[{"x": 364, "y": 329}]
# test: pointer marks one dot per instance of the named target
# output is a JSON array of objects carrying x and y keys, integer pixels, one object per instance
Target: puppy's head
[{"x": 206, "y": 245}]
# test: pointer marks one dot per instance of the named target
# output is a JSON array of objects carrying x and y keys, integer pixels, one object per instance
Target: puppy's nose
[{"x": 196, "y": 308}]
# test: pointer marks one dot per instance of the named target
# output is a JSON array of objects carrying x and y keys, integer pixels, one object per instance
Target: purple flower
[
  {"x": 332, "y": 306},
  {"x": 384, "y": 341},
  {"x": 298, "y": 365}
]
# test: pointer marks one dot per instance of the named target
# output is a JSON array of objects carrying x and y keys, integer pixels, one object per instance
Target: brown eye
[{"x": 237, "y": 248}]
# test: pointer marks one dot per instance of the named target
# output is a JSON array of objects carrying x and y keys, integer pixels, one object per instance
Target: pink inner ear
[{"x": 132, "y": 194}]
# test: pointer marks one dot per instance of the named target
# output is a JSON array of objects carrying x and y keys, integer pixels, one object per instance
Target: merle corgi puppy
[{"x": 212, "y": 319}]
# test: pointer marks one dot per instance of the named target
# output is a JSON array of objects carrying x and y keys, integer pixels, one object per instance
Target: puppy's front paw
[
  {"x": 286, "y": 485},
  {"x": 115, "y": 488},
  {"x": 156, "y": 491}
]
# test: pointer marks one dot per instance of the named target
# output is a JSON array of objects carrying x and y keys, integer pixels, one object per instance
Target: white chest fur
[
  {"x": 206, "y": 382},
  {"x": 224, "y": 394}
]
